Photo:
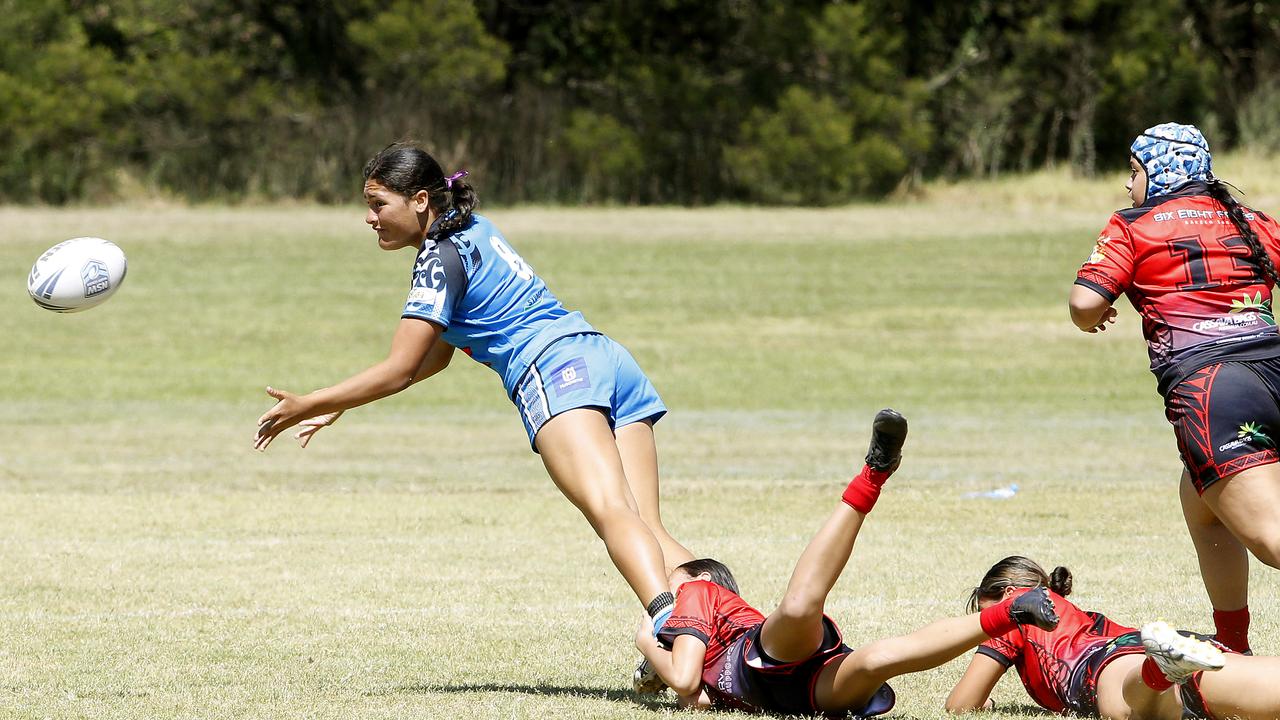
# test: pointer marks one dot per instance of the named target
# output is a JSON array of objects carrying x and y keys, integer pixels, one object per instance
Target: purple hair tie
[{"x": 448, "y": 182}]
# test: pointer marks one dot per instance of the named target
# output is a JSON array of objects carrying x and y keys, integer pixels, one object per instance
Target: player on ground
[
  {"x": 726, "y": 654},
  {"x": 587, "y": 407},
  {"x": 1199, "y": 268},
  {"x": 1094, "y": 667}
]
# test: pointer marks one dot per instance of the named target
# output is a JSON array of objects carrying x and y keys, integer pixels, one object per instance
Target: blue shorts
[{"x": 587, "y": 370}]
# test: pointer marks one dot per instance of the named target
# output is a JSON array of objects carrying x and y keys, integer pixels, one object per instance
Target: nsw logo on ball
[{"x": 96, "y": 278}]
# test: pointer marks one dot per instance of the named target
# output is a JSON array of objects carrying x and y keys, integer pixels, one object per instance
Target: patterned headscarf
[{"x": 1173, "y": 155}]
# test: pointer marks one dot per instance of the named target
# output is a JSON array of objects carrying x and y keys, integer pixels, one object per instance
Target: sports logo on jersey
[
  {"x": 571, "y": 376},
  {"x": 1099, "y": 247},
  {"x": 429, "y": 291},
  {"x": 1255, "y": 303}
]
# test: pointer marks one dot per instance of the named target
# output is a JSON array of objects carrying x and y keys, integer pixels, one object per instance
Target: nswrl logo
[{"x": 95, "y": 277}]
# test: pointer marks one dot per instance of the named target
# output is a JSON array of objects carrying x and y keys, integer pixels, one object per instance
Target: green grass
[{"x": 416, "y": 561}]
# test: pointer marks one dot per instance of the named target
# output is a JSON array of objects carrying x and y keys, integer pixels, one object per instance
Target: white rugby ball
[{"x": 77, "y": 274}]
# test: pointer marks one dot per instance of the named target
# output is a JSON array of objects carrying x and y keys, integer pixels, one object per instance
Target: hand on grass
[{"x": 311, "y": 426}]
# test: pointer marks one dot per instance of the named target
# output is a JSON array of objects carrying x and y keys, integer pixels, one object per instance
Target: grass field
[{"x": 416, "y": 562}]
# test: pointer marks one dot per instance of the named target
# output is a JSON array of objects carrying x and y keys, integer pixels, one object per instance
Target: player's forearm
[{"x": 385, "y": 378}]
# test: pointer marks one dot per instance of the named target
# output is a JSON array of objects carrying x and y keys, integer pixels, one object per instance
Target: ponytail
[
  {"x": 459, "y": 197},
  {"x": 405, "y": 169},
  {"x": 1258, "y": 254},
  {"x": 1060, "y": 581}
]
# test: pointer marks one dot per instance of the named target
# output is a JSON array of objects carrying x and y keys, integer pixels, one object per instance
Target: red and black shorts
[
  {"x": 1226, "y": 417},
  {"x": 752, "y": 681},
  {"x": 1081, "y": 695}
]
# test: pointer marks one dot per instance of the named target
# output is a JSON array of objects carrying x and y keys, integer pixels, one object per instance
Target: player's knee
[
  {"x": 877, "y": 659},
  {"x": 799, "y": 606}
]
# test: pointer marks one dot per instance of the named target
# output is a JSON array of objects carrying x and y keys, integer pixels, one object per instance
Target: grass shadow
[{"x": 602, "y": 693}]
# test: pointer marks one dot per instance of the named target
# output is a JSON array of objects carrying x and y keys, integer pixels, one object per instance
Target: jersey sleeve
[
  {"x": 1109, "y": 268},
  {"x": 1005, "y": 649},
  {"x": 694, "y": 613},
  {"x": 439, "y": 282}
]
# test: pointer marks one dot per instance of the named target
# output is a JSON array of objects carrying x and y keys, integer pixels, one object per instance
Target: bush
[
  {"x": 1260, "y": 119},
  {"x": 805, "y": 152}
]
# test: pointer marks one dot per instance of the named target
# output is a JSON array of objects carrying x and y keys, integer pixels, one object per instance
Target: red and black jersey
[
  {"x": 1187, "y": 271},
  {"x": 714, "y": 615},
  {"x": 1059, "y": 669}
]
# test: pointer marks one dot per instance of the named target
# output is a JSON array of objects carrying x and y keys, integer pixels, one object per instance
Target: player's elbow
[
  {"x": 396, "y": 376},
  {"x": 1085, "y": 317},
  {"x": 1087, "y": 307},
  {"x": 958, "y": 704}
]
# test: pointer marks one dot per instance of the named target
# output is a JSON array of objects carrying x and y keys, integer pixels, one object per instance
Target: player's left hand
[
  {"x": 1108, "y": 318},
  {"x": 311, "y": 426},
  {"x": 288, "y": 411}
]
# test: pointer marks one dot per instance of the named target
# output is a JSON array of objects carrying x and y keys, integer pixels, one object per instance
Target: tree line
[{"x": 631, "y": 101}]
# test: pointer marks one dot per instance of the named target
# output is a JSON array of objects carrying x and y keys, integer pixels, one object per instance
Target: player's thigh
[
  {"x": 639, "y": 453},
  {"x": 1225, "y": 418},
  {"x": 1248, "y": 503},
  {"x": 1244, "y": 687},
  {"x": 578, "y": 450},
  {"x": 846, "y": 683}
]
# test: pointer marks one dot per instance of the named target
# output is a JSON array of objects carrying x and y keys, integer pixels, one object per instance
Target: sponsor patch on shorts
[{"x": 570, "y": 376}]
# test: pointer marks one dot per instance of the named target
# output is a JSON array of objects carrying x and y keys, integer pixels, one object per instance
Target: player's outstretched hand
[
  {"x": 1108, "y": 318},
  {"x": 288, "y": 411},
  {"x": 311, "y": 426}
]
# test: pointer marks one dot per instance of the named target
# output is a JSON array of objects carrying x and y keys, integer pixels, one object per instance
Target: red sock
[
  {"x": 864, "y": 488},
  {"x": 1154, "y": 677},
  {"x": 996, "y": 620},
  {"x": 1232, "y": 628}
]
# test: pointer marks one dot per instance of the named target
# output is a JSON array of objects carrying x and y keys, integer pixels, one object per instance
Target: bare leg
[
  {"x": 639, "y": 455},
  {"x": 1248, "y": 503},
  {"x": 579, "y": 452},
  {"x": 1224, "y": 562},
  {"x": 850, "y": 681},
  {"x": 1123, "y": 695},
  {"x": 1246, "y": 687},
  {"x": 794, "y": 630}
]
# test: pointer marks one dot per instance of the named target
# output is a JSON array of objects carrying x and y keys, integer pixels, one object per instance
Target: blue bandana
[{"x": 1173, "y": 155}]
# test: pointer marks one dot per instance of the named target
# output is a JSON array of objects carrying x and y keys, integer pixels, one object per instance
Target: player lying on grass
[
  {"x": 726, "y": 654},
  {"x": 1200, "y": 268},
  {"x": 586, "y": 406},
  {"x": 1092, "y": 666}
]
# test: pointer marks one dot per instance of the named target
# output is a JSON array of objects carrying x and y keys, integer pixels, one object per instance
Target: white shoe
[
  {"x": 645, "y": 680},
  {"x": 1179, "y": 656}
]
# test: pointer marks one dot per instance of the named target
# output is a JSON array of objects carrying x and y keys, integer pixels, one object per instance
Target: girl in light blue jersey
[{"x": 588, "y": 409}]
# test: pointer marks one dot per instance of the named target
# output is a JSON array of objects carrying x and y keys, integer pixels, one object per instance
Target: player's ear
[
  {"x": 1010, "y": 592},
  {"x": 704, "y": 576},
  {"x": 420, "y": 201}
]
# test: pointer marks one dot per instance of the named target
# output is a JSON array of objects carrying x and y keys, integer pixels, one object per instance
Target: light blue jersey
[{"x": 488, "y": 300}]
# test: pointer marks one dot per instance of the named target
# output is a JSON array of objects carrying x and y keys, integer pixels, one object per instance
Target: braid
[{"x": 1259, "y": 256}]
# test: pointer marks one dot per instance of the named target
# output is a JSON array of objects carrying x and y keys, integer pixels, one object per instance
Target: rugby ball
[{"x": 76, "y": 275}]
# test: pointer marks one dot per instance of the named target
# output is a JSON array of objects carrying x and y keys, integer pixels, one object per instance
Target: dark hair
[
  {"x": 718, "y": 571},
  {"x": 405, "y": 169},
  {"x": 1016, "y": 571},
  {"x": 1258, "y": 254}
]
